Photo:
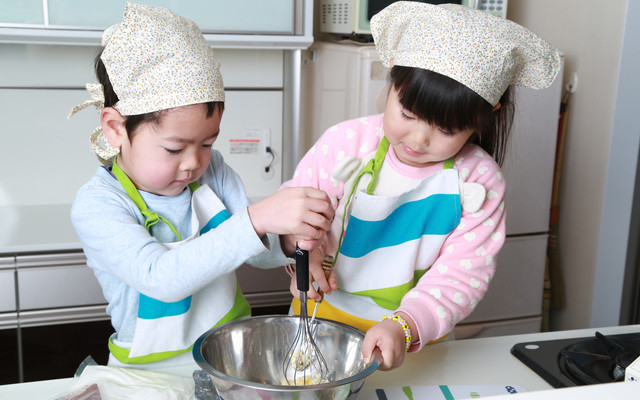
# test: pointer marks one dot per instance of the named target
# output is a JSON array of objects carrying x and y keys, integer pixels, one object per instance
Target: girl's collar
[{"x": 408, "y": 170}]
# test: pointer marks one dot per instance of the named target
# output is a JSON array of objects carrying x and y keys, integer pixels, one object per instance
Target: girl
[
  {"x": 165, "y": 223},
  {"x": 418, "y": 190}
]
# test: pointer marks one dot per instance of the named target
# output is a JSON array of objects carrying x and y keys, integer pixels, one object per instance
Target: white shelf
[{"x": 74, "y": 37}]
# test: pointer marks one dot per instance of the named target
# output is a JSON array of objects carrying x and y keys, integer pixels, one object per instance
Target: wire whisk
[{"x": 304, "y": 363}]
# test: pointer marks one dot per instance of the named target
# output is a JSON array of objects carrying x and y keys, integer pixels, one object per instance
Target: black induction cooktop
[{"x": 581, "y": 360}]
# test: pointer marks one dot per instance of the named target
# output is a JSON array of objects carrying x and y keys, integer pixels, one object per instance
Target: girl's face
[
  {"x": 414, "y": 141},
  {"x": 163, "y": 159}
]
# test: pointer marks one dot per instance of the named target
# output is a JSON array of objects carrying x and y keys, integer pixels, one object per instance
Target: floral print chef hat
[
  {"x": 155, "y": 60},
  {"x": 483, "y": 52}
]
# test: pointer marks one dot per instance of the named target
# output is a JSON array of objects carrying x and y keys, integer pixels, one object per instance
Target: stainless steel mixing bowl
[{"x": 244, "y": 359}]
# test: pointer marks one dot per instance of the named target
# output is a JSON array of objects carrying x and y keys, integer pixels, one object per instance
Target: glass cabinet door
[
  {"x": 29, "y": 12},
  {"x": 212, "y": 16}
]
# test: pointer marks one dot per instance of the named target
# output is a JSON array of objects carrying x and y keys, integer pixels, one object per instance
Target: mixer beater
[{"x": 304, "y": 363}]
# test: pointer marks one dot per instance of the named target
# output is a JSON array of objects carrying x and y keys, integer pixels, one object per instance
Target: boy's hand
[{"x": 303, "y": 214}]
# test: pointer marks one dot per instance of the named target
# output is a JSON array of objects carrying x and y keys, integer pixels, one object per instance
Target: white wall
[
  {"x": 590, "y": 35},
  {"x": 616, "y": 281}
]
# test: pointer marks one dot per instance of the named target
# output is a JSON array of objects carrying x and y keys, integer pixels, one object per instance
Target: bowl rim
[{"x": 375, "y": 362}]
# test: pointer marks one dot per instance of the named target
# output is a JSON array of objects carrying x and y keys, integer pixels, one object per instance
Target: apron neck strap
[
  {"x": 448, "y": 163},
  {"x": 374, "y": 165},
  {"x": 150, "y": 217},
  {"x": 373, "y": 168}
]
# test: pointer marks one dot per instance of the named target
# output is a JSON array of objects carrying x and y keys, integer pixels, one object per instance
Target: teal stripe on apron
[
  {"x": 410, "y": 221},
  {"x": 215, "y": 221},
  {"x": 151, "y": 308}
]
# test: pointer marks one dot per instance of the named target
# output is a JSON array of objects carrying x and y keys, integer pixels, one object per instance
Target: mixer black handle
[{"x": 302, "y": 269}]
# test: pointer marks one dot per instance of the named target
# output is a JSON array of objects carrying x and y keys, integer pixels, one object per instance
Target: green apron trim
[
  {"x": 448, "y": 163},
  {"x": 121, "y": 354},
  {"x": 390, "y": 293},
  {"x": 372, "y": 168},
  {"x": 241, "y": 308},
  {"x": 151, "y": 217}
]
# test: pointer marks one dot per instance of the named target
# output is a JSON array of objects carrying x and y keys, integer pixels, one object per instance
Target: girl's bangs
[{"x": 439, "y": 100}]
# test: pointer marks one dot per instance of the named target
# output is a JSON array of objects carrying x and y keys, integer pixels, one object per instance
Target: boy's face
[
  {"x": 414, "y": 141},
  {"x": 163, "y": 159}
]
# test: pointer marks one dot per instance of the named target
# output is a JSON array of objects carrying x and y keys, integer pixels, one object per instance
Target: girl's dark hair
[
  {"x": 450, "y": 105},
  {"x": 132, "y": 122}
]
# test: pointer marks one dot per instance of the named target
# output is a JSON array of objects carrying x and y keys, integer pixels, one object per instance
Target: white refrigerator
[{"x": 346, "y": 80}]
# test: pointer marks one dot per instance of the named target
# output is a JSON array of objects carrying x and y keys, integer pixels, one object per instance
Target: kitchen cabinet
[
  {"x": 513, "y": 303},
  {"x": 9, "y": 371},
  {"x": 521, "y": 284},
  {"x": 254, "y": 111},
  {"x": 266, "y": 290},
  {"x": 251, "y": 121},
  {"x": 244, "y": 16},
  {"x": 56, "y": 280},
  {"x": 240, "y": 23},
  {"x": 52, "y": 306},
  {"x": 56, "y": 351},
  {"x": 7, "y": 285}
]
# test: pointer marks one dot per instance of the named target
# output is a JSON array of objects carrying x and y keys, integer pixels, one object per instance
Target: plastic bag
[{"x": 115, "y": 383}]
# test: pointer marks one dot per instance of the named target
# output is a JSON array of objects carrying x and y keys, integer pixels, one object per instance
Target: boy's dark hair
[
  {"x": 450, "y": 105},
  {"x": 132, "y": 122}
]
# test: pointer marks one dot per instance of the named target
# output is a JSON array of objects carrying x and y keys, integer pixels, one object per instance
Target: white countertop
[{"x": 485, "y": 361}]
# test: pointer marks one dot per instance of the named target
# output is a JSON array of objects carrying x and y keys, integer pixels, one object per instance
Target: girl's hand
[
  {"x": 303, "y": 214},
  {"x": 389, "y": 337},
  {"x": 325, "y": 279}
]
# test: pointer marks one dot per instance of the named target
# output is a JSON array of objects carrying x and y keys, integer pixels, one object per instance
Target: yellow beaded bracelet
[{"x": 405, "y": 328}]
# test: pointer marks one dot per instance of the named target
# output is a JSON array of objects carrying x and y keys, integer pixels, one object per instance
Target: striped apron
[
  {"x": 164, "y": 330},
  {"x": 389, "y": 243}
]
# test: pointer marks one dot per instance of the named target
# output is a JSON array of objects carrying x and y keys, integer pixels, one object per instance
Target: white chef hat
[
  {"x": 483, "y": 52},
  {"x": 157, "y": 60}
]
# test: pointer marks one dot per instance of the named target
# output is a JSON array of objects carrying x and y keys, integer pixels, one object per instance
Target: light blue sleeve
[
  {"x": 118, "y": 246},
  {"x": 226, "y": 183}
]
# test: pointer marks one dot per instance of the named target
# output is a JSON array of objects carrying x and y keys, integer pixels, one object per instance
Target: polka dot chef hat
[{"x": 483, "y": 52}]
